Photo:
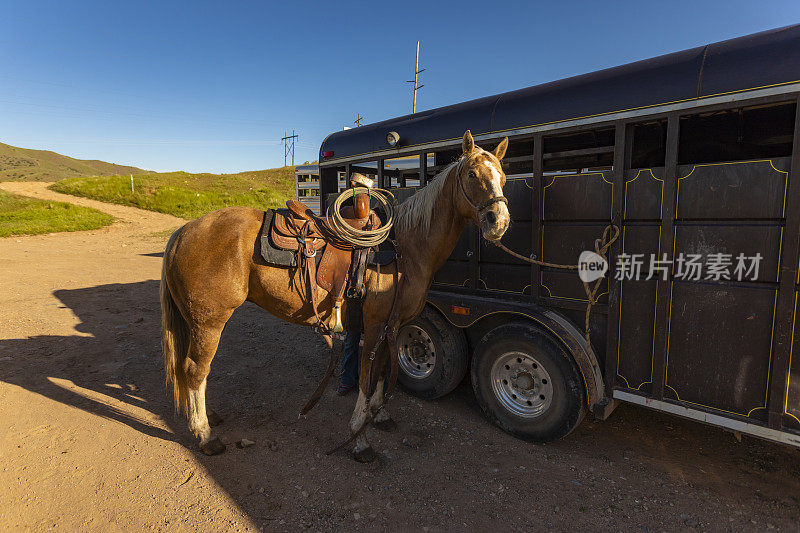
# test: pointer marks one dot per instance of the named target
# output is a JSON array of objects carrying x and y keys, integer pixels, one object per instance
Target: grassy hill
[
  {"x": 20, "y": 215},
  {"x": 187, "y": 195},
  {"x": 24, "y": 164}
]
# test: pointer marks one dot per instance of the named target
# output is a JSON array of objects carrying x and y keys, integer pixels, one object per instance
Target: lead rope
[
  {"x": 601, "y": 246},
  {"x": 387, "y": 333}
]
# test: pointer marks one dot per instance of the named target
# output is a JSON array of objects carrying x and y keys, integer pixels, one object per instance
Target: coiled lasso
[{"x": 358, "y": 238}]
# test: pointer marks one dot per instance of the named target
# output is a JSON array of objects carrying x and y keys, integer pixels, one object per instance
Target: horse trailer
[
  {"x": 306, "y": 185},
  {"x": 306, "y": 180},
  {"x": 695, "y": 157}
]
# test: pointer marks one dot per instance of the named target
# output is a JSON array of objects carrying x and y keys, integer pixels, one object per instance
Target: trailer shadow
[{"x": 444, "y": 468}]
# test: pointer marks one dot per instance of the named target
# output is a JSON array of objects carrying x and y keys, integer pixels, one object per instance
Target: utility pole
[
  {"x": 288, "y": 145},
  {"x": 358, "y": 120},
  {"x": 417, "y": 72}
]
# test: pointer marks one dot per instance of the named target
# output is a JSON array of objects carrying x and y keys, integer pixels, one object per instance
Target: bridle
[{"x": 479, "y": 209}]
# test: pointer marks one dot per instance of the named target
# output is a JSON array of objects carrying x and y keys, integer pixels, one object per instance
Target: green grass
[
  {"x": 20, "y": 215},
  {"x": 187, "y": 195}
]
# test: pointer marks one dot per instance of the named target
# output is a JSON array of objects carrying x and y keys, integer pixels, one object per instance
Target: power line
[
  {"x": 135, "y": 112},
  {"x": 288, "y": 145},
  {"x": 417, "y": 72}
]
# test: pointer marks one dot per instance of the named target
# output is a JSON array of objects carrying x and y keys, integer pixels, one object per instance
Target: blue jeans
[{"x": 349, "y": 377}]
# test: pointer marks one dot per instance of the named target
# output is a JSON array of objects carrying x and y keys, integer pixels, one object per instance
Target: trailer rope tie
[{"x": 601, "y": 247}]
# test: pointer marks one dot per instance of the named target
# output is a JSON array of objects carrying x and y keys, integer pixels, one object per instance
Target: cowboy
[{"x": 348, "y": 378}]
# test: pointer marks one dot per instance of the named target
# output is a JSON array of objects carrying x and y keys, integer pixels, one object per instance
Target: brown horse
[{"x": 212, "y": 266}]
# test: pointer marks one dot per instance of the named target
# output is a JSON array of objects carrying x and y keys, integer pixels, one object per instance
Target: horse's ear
[
  {"x": 500, "y": 151},
  {"x": 468, "y": 144}
]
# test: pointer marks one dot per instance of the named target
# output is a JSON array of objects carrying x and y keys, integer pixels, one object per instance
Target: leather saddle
[{"x": 297, "y": 228}]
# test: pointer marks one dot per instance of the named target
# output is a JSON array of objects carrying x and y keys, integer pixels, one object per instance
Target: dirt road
[{"x": 88, "y": 439}]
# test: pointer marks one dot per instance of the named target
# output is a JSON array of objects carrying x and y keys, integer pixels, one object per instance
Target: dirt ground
[{"x": 89, "y": 440}]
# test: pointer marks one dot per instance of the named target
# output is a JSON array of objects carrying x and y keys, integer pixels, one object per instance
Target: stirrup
[{"x": 337, "y": 318}]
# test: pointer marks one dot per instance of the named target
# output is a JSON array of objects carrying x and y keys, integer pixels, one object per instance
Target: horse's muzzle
[{"x": 494, "y": 222}]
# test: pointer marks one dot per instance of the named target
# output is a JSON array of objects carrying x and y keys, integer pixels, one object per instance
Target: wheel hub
[
  {"x": 524, "y": 381},
  {"x": 521, "y": 384},
  {"x": 417, "y": 354}
]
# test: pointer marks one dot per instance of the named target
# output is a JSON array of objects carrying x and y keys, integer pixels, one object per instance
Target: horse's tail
[{"x": 174, "y": 337}]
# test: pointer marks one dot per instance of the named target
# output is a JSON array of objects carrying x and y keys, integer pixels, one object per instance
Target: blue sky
[{"x": 212, "y": 86}]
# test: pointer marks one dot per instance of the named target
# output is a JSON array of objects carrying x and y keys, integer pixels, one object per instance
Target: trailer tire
[
  {"x": 527, "y": 384},
  {"x": 433, "y": 355}
]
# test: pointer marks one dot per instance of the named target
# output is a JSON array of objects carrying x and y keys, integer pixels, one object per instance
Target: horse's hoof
[
  {"x": 385, "y": 425},
  {"x": 213, "y": 447},
  {"x": 213, "y": 418},
  {"x": 367, "y": 455}
]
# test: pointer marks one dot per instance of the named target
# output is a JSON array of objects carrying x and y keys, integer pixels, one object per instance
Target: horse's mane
[{"x": 418, "y": 210}]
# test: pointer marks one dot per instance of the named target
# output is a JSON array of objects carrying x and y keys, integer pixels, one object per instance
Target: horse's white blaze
[
  {"x": 497, "y": 188},
  {"x": 503, "y": 217}
]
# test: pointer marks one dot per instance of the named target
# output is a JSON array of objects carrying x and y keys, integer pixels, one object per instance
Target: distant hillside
[
  {"x": 24, "y": 164},
  {"x": 187, "y": 195}
]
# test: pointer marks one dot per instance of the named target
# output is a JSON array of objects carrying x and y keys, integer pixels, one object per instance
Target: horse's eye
[{"x": 472, "y": 174}]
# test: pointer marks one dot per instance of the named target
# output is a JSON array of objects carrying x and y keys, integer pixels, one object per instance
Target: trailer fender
[
  {"x": 584, "y": 356},
  {"x": 562, "y": 330}
]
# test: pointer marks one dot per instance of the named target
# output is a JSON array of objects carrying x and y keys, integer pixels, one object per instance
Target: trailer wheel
[
  {"x": 432, "y": 355},
  {"x": 527, "y": 384}
]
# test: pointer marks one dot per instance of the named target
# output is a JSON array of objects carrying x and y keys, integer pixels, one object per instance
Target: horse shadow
[
  {"x": 99, "y": 368},
  {"x": 112, "y": 365}
]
